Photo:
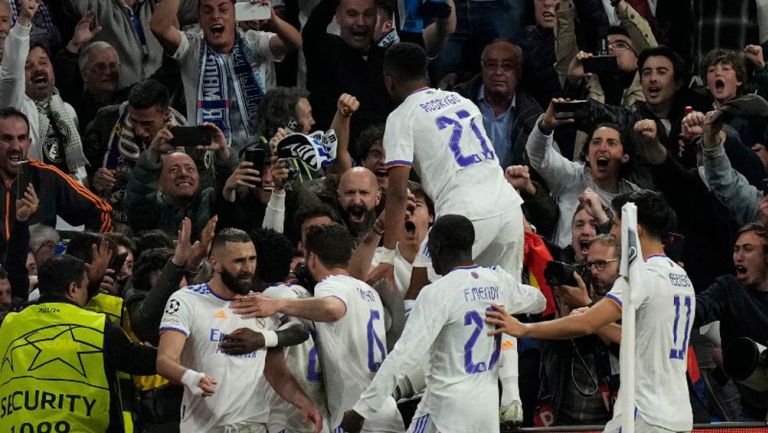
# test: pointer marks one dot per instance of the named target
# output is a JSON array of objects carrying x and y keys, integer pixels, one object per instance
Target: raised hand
[
  {"x": 593, "y": 205},
  {"x": 647, "y": 129},
  {"x": 576, "y": 67},
  {"x": 347, "y": 105},
  {"x": 27, "y": 205},
  {"x": 101, "y": 255},
  {"x": 754, "y": 53},
  {"x": 519, "y": 177},
  {"x": 202, "y": 247},
  {"x": 693, "y": 124},
  {"x": 84, "y": 32},
  {"x": 244, "y": 175},
  {"x": 27, "y": 12},
  {"x": 218, "y": 144},
  {"x": 549, "y": 121}
]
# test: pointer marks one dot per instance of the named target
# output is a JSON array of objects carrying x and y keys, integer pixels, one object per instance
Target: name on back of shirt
[
  {"x": 679, "y": 280},
  {"x": 366, "y": 294},
  {"x": 438, "y": 104},
  {"x": 490, "y": 293}
]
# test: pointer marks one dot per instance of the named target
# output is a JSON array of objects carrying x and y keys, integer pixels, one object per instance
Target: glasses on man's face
[
  {"x": 504, "y": 66},
  {"x": 620, "y": 46},
  {"x": 104, "y": 67},
  {"x": 600, "y": 265}
]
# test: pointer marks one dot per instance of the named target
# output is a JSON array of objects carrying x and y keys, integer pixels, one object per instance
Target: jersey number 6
[{"x": 374, "y": 343}]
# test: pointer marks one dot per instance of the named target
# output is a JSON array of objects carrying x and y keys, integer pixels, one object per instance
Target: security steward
[{"x": 57, "y": 371}]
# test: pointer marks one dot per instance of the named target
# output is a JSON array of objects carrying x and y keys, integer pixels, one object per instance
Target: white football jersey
[
  {"x": 447, "y": 323},
  {"x": 440, "y": 134},
  {"x": 666, "y": 305},
  {"x": 241, "y": 392},
  {"x": 352, "y": 350},
  {"x": 303, "y": 363}
]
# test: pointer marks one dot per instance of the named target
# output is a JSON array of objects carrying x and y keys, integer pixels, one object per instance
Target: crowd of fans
[{"x": 582, "y": 100}]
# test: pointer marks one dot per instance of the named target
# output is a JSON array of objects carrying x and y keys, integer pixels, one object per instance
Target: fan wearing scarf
[
  {"x": 222, "y": 66},
  {"x": 27, "y": 83}
]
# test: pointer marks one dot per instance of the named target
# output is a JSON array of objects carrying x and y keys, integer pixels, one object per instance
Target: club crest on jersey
[{"x": 261, "y": 322}]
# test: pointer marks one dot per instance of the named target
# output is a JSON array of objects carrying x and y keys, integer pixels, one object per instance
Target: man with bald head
[
  {"x": 358, "y": 195},
  {"x": 509, "y": 114},
  {"x": 164, "y": 186}
]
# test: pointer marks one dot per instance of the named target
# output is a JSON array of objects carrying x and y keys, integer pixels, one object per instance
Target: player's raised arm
[
  {"x": 603, "y": 313},
  {"x": 394, "y": 214}
]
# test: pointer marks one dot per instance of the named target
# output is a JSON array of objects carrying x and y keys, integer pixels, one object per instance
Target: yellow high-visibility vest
[
  {"x": 52, "y": 375},
  {"x": 112, "y": 307}
]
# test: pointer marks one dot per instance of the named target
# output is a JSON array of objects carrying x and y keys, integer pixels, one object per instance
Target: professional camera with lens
[{"x": 561, "y": 274}]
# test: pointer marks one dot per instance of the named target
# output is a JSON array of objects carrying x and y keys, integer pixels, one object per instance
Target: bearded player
[{"x": 225, "y": 392}]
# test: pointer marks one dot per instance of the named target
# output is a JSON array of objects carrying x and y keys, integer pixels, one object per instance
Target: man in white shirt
[
  {"x": 446, "y": 323},
  {"x": 350, "y": 324},
  {"x": 223, "y": 69},
  {"x": 231, "y": 396},
  {"x": 665, "y": 304},
  {"x": 440, "y": 135}
]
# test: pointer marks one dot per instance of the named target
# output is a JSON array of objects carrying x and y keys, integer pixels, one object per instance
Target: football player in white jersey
[
  {"x": 665, "y": 307},
  {"x": 440, "y": 135},
  {"x": 447, "y": 324},
  {"x": 275, "y": 254},
  {"x": 350, "y": 324},
  {"x": 224, "y": 392}
]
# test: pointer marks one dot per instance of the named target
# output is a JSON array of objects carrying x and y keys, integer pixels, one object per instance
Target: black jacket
[
  {"x": 334, "y": 68},
  {"x": 60, "y": 195},
  {"x": 742, "y": 312},
  {"x": 708, "y": 240},
  {"x": 526, "y": 111}
]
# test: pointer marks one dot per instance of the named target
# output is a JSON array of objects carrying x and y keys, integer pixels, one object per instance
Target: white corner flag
[{"x": 631, "y": 260}]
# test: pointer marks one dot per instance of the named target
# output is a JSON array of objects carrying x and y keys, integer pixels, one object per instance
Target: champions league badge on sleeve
[{"x": 172, "y": 307}]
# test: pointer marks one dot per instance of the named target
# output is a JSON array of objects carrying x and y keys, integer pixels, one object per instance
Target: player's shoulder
[
  {"x": 340, "y": 282},
  {"x": 287, "y": 291},
  {"x": 196, "y": 293}
]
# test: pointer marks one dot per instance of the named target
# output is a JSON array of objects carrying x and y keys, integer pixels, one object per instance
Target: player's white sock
[{"x": 511, "y": 409}]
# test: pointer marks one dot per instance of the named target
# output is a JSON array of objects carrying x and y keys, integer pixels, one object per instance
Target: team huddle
[{"x": 455, "y": 344}]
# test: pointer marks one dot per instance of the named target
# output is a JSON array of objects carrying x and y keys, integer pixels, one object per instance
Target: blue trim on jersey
[
  {"x": 397, "y": 163},
  {"x": 172, "y": 329},
  {"x": 420, "y": 424},
  {"x": 615, "y": 299},
  {"x": 205, "y": 289}
]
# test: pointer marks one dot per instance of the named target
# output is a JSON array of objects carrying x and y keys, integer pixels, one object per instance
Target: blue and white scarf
[
  {"x": 317, "y": 150},
  {"x": 213, "y": 98}
]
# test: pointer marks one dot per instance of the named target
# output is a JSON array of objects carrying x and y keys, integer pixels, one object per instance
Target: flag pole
[{"x": 631, "y": 258}]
